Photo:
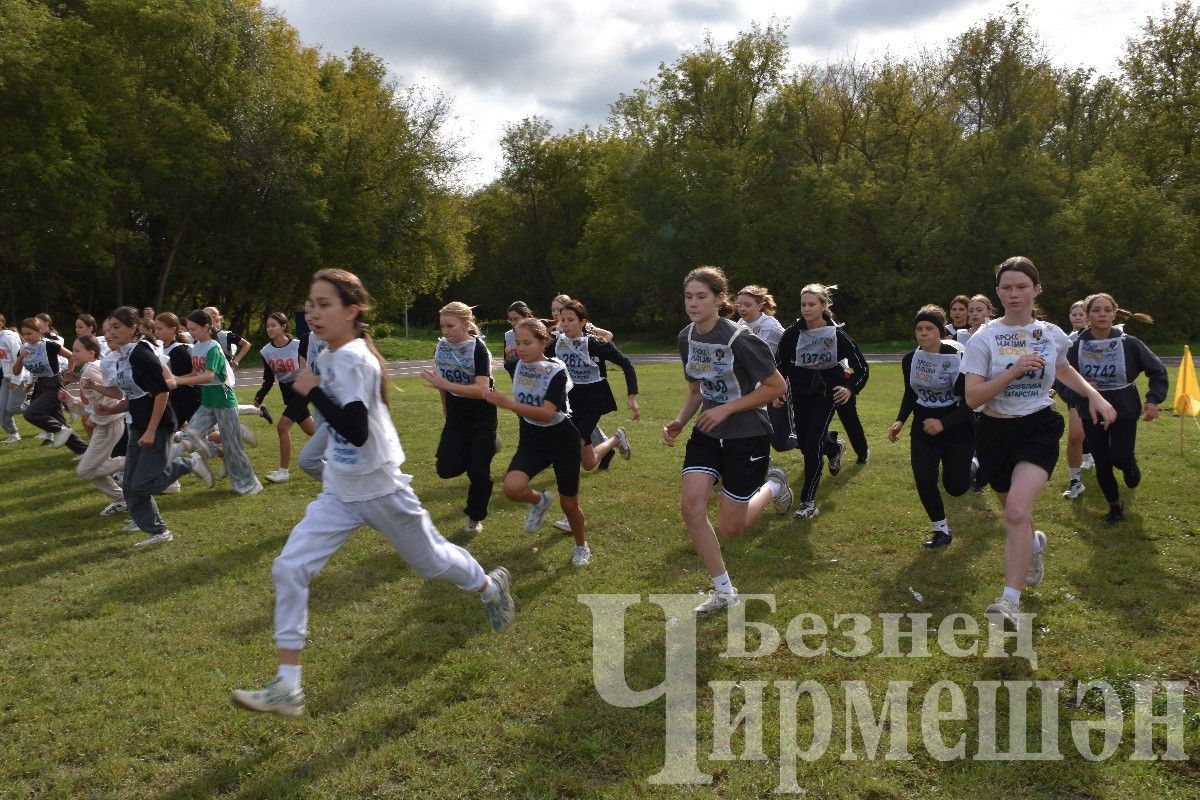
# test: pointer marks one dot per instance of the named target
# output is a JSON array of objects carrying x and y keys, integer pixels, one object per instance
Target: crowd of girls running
[{"x": 155, "y": 395}]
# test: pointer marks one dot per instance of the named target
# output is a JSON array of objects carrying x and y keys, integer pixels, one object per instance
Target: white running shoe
[
  {"x": 173, "y": 488},
  {"x": 1037, "y": 566},
  {"x": 274, "y": 698},
  {"x": 563, "y": 525},
  {"x": 835, "y": 460},
  {"x": 113, "y": 508},
  {"x": 1088, "y": 462},
  {"x": 278, "y": 476},
  {"x": 473, "y": 526},
  {"x": 623, "y": 444},
  {"x": 1074, "y": 489},
  {"x": 1003, "y": 613},
  {"x": 783, "y": 500},
  {"x": 500, "y": 609},
  {"x": 158, "y": 538},
  {"x": 16, "y": 437},
  {"x": 258, "y": 487},
  {"x": 581, "y": 556},
  {"x": 248, "y": 435},
  {"x": 807, "y": 511},
  {"x": 716, "y": 601},
  {"x": 537, "y": 514},
  {"x": 61, "y": 436},
  {"x": 201, "y": 469}
]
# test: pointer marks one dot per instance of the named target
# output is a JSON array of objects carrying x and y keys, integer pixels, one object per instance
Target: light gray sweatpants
[
  {"x": 312, "y": 457},
  {"x": 327, "y": 524},
  {"x": 237, "y": 463},
  {"x": 98, "y": 464},
  {"x": 12, "y": 398}
]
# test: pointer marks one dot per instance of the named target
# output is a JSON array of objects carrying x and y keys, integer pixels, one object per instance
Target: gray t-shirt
[{"x": 729, "y": 362}]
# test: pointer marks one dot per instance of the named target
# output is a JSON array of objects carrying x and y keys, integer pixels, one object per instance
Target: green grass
[{"x": 116, "y": 665}]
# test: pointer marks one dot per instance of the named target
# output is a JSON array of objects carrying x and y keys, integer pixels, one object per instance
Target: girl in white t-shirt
[
  {"x": 1010, "y": 367},
  {"x": 362, "y": 485}
]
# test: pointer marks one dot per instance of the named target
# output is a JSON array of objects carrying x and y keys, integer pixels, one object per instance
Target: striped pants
[{"x": 237, "y": 463}]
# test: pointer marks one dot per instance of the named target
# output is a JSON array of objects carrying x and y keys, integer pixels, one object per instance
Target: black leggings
[
  {"x": 45, "y": 411},
  {"x": 1111, "y": 448},
  {"x": 848, "y": 414},
  {"x": 812, "y": 414},
  {"x": 953, "y": 454},
  {"x": 469, "y": 447}
]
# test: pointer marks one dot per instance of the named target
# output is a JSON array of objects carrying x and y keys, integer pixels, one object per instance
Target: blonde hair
[
  {"x": 825, "y": 295},
  {"x": 463, "y": 312},
  {"x": 760, "y": 293},
  {"x": 214, "y": 315},
  {"x": 983, "y": 298}
]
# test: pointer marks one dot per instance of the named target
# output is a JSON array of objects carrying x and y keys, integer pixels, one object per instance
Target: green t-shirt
[{"x": 217, "y": 394}]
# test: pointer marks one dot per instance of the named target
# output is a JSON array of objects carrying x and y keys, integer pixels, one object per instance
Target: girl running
[
  {"x": 282, "y": 360},
  {"x": 98, "y": 464},
  {"x": 463, "y": 374},
  {"x": 943, "y": 431},
  {"x": 731, "y": 378},
  {"x": 1111, "y": 361},
  {"x": 979, "y": 312},
  {"x": 143, "y": 392},
  {"x": 43, "y": 359},
  {"x": 1011, "y": 366},
  {"x": 556, "y": 307},
  {"x": 178, "y": 356},
  {"x": 548, "y": 438},
  {"x": 218, "y": 405},
  {"x": 12, "y": 387},
  {"x": 516, "y": 312},
  {"x": 756, "y": 309},
  {"x": 235, "y": 348},
  {"x": 808, "y": 355},
  {"x": 312, "y": 457},
  {"x": 1078, "y": 457},
  {"x": 363, "y": 485},
  {"x": 959, "y": 309},
  {"x": 85, "y": 325}
]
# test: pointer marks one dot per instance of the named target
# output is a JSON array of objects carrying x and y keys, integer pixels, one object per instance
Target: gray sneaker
[
  {"x": 716, "y": 601},
  {"x": 783, "y": 500},
  {"x": 581, "y": 556},
  {"x": 500, "y": 609},
  {"x": 537, "y": 514},
  {"x": 807, "y": 511},
  {"x": 1003, "y": 613},
  {"x": 158, "y": 538},
  {"x": 274, "y": 698},
  {"x": 1037, "y": 565},
  {"x": 117, "y": 507},
  {"x": 1074, "y": 489},
  {"x": 201, "y": 469},
  {"x": 623, "y": 444},
  {"x": 835, "y": 460},
  {"x": 563, "y": 525}
]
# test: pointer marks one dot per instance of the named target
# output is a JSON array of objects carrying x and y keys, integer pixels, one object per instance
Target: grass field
[{"x": 116, "y": 665}]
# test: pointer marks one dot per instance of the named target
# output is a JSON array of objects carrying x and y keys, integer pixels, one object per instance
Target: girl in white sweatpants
[
  {"x": 362, "y": 485},
  {"x": 97, "y": 464}
]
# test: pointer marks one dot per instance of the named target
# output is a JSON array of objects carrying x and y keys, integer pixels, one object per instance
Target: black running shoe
[
  {"x": 266, "y": 414},
  {"x": 939, "y": 539},
  {"x": 1115, "y": 514},
  {"x": 608, "y": 457},
  {"x": 835, "y": 460}
]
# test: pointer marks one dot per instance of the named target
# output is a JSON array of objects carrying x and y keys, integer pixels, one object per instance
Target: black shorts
[
  {"x": 739, "y": 464},
  {"x": 586, "y": 422},
  {"x": 295, "y": 407},
  {"x": 1001, "y": 444},
  {"x": 556, "y": 446}
]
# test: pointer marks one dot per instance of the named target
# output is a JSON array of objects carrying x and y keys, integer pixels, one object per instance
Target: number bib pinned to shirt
[
  {"x": 531, "y": 383},
  {"x": 1008, "y": 344},
  {"x": 712, "y": 365},
  {"x": 283, "y": 361},
  {"x": 456, "y": 362},
  {"x": 37, "y": 361},
  {"x": 932, "y": 377},
  {"x": 817, "y": 348},
  {"x": 575, "y": 354},
  {"x": 1102, "y": 363},
  {"x": 123, "y": 373}
]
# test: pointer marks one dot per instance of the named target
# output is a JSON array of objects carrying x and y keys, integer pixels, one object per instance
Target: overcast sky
[{"x": 567, "y": 60}]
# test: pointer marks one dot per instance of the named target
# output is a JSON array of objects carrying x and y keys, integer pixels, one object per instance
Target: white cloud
[{"x": 567, "y": 60}]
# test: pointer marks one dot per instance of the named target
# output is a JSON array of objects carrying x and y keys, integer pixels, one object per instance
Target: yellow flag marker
[{"x": 1187, "y": 392}]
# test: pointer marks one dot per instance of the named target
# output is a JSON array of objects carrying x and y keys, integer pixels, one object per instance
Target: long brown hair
[
  {"x": 352, "y": 293},
  {"x": 714, "y": 278},
  {"x": 171, "y": 321},
  {"x": 1120, "y": 312}
]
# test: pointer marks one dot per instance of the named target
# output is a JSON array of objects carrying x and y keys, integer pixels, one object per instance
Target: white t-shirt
[
  {"x": 767, "y": 328},
  {"x": 10, "y": 344},
  {"x": 996, "y": 347},
  {"x": 351, "y": 374}
]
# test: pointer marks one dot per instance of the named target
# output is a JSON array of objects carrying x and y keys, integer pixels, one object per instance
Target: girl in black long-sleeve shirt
[
  {"x": 808, "y": 357},
  {"x": 943, "y": 431},
  {"x": 1111, "y": 360}
]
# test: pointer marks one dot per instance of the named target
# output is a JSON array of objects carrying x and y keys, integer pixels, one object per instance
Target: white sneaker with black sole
[{"x": 1074, "y": 489}]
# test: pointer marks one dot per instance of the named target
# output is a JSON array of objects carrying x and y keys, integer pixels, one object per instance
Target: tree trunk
[{"x": 162, "y": 280}]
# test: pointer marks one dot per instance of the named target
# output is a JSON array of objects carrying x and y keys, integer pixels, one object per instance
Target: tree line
[{"x": 176, "y": 154}]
